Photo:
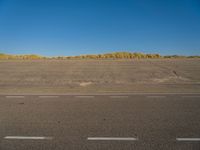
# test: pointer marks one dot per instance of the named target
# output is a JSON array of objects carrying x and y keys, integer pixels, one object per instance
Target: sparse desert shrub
[{"x": 115, "y": 55}]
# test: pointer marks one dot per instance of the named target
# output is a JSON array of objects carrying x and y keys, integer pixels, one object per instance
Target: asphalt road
[{"x": 98, "y": 122}]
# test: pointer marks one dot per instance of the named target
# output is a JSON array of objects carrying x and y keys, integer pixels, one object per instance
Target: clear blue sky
[{"x": 72, "y": 27}]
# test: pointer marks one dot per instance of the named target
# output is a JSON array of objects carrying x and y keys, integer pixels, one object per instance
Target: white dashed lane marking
[
  {"x": 119, "y": 96},
  {"x": 158, "y": 96},
  {"x": 112, "y": 139},
  {"x": 191, "y": 96},
  {"x": 84, "y": 96},
  {"x": 15, "y": 96},
  {"x": 27, "y": 138},
  {"x": 188, "y": 139},
  {"x": 48, "y": 96}
]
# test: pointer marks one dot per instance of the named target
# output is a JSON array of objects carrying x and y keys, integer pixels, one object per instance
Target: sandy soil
[{"x": 99, "y": 76}]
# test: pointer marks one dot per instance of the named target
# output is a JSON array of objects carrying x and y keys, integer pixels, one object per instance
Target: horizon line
[{"x": 136, "y": 52}]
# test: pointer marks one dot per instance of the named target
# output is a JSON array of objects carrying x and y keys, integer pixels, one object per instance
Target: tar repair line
[
  {"x": 15, "y": 96},
  {"x": 188, "y": 139},
  {"x": 111, "y": 139},
  {"x": 118, "y": 96},
  {"x": 27, "y": 138}
]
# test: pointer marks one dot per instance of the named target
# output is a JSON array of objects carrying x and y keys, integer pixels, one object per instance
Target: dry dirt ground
[{"x": 99, "y": 76}]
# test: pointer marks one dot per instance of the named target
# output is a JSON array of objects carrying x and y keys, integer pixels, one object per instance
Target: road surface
[{"x": 98, "y": 122}]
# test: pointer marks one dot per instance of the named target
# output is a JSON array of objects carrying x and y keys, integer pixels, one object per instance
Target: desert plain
[{"x": 100, "y": 76}]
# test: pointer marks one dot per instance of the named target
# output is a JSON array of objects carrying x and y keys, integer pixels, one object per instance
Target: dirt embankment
[{"x": 89, "y": 76}]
